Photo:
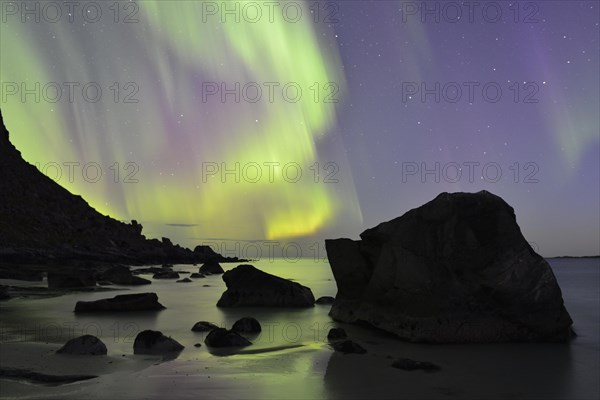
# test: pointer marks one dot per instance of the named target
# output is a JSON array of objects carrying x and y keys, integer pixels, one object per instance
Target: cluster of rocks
[
  {"x": 155, "y": 342},
  {"x": 89, "y": 275},
  {"x": 146, "y": 342}
]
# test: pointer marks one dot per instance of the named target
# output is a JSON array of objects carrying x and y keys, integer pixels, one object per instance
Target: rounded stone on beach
[
  {"x": 154, "y": 342},
  {"x": 84, "y": 345}
]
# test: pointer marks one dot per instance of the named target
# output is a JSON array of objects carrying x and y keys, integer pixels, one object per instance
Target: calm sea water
[{"x": 312, "y": 370}]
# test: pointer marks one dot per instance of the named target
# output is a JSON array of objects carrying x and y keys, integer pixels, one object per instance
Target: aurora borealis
[{"x": 334, "y": 93}]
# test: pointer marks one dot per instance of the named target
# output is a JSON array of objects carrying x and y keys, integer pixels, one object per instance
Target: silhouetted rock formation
[
  {"x": 154, "y": 342},
  {"x": 251, "y": 287},
  {"x": 211, "y": 268},
  {"x": 41, "y": 222},
  {"x": 84, "y": 345},
  {"x": 124, "y": 302},
  {"x": 456, "y": 269}
]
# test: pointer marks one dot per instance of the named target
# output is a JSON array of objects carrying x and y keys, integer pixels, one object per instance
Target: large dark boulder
[
  {"x": 84, "y": 345},
  {"x": 123, "y": 302},
  {"x": 456, "y": 269},
  {"x": 154, "y": 342},
  {"x": 211, "y": 268},
  {"x": 250, "y": 287},
  {"x": 222, "y": 337}
]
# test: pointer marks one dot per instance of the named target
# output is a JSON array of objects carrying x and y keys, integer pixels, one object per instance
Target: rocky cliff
[{"x": 42, "y": 222}]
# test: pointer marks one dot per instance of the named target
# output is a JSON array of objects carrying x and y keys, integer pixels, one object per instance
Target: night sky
[{"x": 396, "y": 106}]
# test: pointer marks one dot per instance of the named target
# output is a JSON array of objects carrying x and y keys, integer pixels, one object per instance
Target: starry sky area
[{"x": 379, "y": 128}]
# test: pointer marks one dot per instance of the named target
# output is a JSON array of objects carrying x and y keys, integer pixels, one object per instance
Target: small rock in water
[
  {"x": 197, "y": 345},
  {"x": 325, "y": 300},
  {"x": 123, "y": 302},
  {"x": 154, "y": 342},
  {"x": 204, "y": 326},
  {"x": 184, "y": 280},
  {"x": 197, "y": 275},
  {"x": 411, "y": 365},
  {"x": 84, "y": 345},
  {"x": 246, "y": 324}
]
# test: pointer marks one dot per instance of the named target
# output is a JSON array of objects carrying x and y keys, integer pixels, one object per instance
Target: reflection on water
[{"x": 468, "y": 371}]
